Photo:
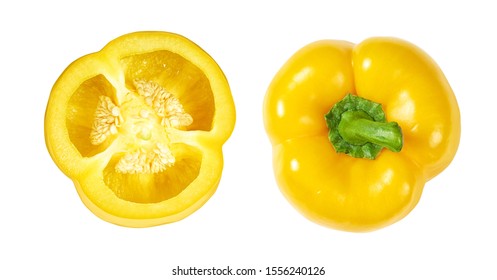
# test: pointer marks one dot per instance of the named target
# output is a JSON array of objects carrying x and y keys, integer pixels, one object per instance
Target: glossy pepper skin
[{"x": 337, "y": 190}]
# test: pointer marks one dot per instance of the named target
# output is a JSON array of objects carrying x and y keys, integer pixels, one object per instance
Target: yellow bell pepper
[
  {"x": 357, "y": 130},
  {"x": 139, "y": 127}
]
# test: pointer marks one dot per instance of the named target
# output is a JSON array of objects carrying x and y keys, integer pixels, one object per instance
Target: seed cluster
[
  {"x": 106, "y": 120},
  {"x": 143, "y": 161},
  {"x": 166, "y": 105}
]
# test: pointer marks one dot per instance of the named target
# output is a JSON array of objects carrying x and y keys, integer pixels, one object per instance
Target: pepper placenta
[{"x": 357, "y": 130}]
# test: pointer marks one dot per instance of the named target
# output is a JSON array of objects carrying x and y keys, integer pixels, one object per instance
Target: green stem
[{"x": 358, "y": 127}]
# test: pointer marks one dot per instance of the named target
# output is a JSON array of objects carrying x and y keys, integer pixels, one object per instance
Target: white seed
[
  {"x": 113, "y": 129},
  {"x": 115, "y": 111},
  {"x": 144, "y": 113}
]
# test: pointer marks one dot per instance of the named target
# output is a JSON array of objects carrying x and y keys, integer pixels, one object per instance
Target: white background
[{"x": 47, "y": 232}]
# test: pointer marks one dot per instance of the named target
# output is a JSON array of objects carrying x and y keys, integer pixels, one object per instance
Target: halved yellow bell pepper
[
  {"x": 357, "y": 130},
  {"x": 139, "y": 127}
]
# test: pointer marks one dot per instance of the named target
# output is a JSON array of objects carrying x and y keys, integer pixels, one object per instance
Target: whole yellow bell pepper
[{"x": 357, "y": 130}]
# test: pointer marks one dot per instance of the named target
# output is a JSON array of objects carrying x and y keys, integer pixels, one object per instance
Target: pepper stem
[{"x": 358, "y": 127}]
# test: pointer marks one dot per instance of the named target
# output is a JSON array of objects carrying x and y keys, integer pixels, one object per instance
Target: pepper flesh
[{"x": 356, "y": 194}]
